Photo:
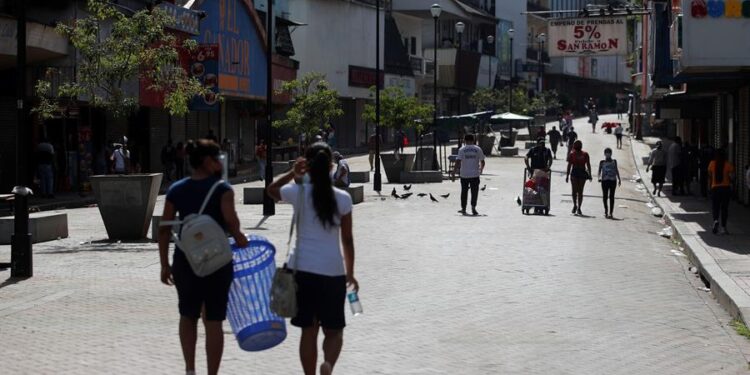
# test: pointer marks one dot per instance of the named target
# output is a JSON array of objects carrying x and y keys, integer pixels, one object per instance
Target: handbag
[{"x": 284, "y": 286}]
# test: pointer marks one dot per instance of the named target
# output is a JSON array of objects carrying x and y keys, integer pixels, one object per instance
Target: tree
[
  {"x": 545, "y": 101},
  {"x": 485, "y": 99},
  {"x": 115, "y": 51},
  {"x": 314, "y": 105},
  {"x": 399, "y": 111}
]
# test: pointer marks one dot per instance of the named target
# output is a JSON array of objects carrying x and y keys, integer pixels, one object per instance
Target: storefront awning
[{"x": 507, "y": 116}]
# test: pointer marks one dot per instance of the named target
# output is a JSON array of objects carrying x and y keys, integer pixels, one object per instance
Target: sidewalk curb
[{"x": 725, "y": 290}]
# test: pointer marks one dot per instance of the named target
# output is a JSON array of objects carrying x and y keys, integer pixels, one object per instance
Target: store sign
[
  {"x": 204, "y": 66},
  {"x": 183, "y": 19},
  {"x": 720, "y": 8},
  {"x": 363, "y": 77},
  {"x": 587, "y": 36},
  {"x": 714, "y": 40}
]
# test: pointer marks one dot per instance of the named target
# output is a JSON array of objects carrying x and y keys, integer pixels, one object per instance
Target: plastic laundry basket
[{"x": 254, "y": 325}]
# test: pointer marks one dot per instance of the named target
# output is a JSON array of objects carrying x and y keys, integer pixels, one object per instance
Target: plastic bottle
[{"x": 354, "y": 302}]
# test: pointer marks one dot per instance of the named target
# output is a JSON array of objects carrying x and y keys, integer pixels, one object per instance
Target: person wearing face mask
[
  {"x": 323, "y": 271},
  {"x": 609, "y": 177},
  {"x": 200, "y": 297},
  {"x": 657, "y": 162},
  {"x": 579, "y": 170}
]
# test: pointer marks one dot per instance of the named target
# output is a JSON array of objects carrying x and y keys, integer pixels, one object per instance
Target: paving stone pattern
[{"x": 501, "y": 293}]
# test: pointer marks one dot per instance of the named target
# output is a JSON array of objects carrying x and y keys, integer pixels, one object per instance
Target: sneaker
[{"x": 716, "y": 227}]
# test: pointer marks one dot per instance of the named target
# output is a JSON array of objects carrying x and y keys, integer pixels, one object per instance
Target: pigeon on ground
[
  {"x": 421, "y": 195},
  {"x": 446, "y": 196},
  {"x": 407, "y": 195},
  {"x": 433, "y": 198},
  {"x": 407, "y": 187},
  {"x": 518, "y": 200},
  {"x": 483, "y": 188},
  {"x": 394, "y": 194}
]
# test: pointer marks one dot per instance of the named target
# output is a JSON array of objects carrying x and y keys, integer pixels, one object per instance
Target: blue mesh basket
[{"x": 254, "y": 325}]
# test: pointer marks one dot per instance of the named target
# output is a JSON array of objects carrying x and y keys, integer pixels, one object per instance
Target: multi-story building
[{"x": 511, "y": 15}]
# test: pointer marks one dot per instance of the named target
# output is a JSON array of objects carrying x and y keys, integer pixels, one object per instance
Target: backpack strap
[{"x": 208, "y": 196}]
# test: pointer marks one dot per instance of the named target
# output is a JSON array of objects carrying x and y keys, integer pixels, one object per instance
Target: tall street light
[
  {"x": 435, "y": 10},
  {"x": 376, "y": 182},
  {"x": 541, "y": 38},
  {"x": 510, "y": 82},
  {"x": 490, "y": 40},
  {"x": 269, "y": 207},
  {"x": 460, "y": 31}
]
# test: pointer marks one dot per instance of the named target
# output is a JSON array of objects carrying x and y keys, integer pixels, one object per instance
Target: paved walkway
[
  {"x": 723, "y": 259},
  {"x": 502, "y": 293}
]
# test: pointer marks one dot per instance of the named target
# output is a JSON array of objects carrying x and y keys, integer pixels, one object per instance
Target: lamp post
[
  {"x": 541, "y": 38},
  {"x": 435, "y": 10},
  {"x": 269, "y": 207},
  {"x": 490, "y": 40},
  {"x": 510, "y": 82},
  {"x": 377, "y": 182}
]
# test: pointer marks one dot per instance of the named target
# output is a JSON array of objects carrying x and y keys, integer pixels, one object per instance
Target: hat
[{"x": 337, "y": 155}]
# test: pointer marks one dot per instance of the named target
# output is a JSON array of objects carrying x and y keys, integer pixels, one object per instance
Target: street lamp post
[
  {"x": 269, "y": 207},
  {"x": 541, "y": 38},
  {"x": 377, "y": 182},
  {"x": 510, "y": 82},
  {"x": 490, "y": 40},
  {"x": 435, "y": 10}
]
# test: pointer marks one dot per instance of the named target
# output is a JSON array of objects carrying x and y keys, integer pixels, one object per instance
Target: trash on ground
[
  {"x": 678, "y": 254},
  {"x": 693, "y": 269},
  {"x": 622, "y": 206},
  {"x": 703, "y": 288},
  {"x": 656, "y": 211},
  {"x": 640, "y": 187},
  {"x": 666, "y": 232},
  {"x": 650, "y": 205}
]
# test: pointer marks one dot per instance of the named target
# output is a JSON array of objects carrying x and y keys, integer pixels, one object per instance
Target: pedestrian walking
[
  {"x": 371, "y": 143},
  {"x": 657, "y": 162},
  {"x": 168, "y": 157},
  {"x": 593, "y": 118},
  {"x": 572, "y": 138},
  {"x": 340, "y": 176},
  {"x": 706, "y": 155},
  {"x": 674, "y": 159},
  {"x": 554, "y": 140},
  {"x": 618, "y": 135},
  {"x": 45, "y": 157},
  {"x": 179, "y": 161},
  {"x": 469, "y": 166},
  {"x": 206, "y": 296},
  {"x": 579, "y": 170},
  {"x": 120, "y": 159},
  {"x": 538, "y": 157},
  {"x": 689, "y": 166},
  {"x": 609, "y": 177},
  {"x": 323, "y": 275},
  {"x": 721, "y": 173},
  {"x": 260, "y": 155}
]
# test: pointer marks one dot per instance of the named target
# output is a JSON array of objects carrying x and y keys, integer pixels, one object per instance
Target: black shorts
[
  {"x": 194, "y": 291},
  {"x": 320, "y": 298}
]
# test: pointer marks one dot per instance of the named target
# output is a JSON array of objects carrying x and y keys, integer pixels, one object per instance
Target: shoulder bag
[{"x": 284, "y": 286}]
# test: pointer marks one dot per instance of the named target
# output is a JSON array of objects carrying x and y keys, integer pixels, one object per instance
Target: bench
[
  {"x": 43, "y": 226},
  {"x": 509, "y": 151},
  {"x": 359, "y": 177},
  {"x": 529, "y": 145},
  {"x": 420, "y": 177},
  {"x": 253, "y": 195},
  {"x": 357, "y": 193}
]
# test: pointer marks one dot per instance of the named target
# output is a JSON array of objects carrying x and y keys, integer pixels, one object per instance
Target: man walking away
[
  {"x": 371, "y": 149},
  {"x": 673, "y": 160},
  {"x": 538, "y": 157},
  {"x": 469, "y": 165},
  {"x": 341, "y": 174},
  {"x": 593, "y": 119},
  {"x": 45, "y": 159},
  {"x": 554, "y": 139},
  {"x": 618, "y": 135},
  {"x": 572, "y": 138}
]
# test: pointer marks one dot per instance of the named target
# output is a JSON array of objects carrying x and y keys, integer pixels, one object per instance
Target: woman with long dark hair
[
  {"x": 609, "y": 177},
  {"x": 721, "y": 174},
  {"x": 323, "y": 275},
  {"x": 579, "y": 170}
]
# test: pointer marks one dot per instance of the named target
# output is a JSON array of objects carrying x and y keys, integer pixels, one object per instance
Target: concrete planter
[
  {"x": 393, "y": 167},
  {"x": 126, "y": 203},
  {"x": 508, "y": 142},
  {"x": 486, "y": 143}
]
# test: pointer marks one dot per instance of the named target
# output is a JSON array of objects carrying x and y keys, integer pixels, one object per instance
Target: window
[{"x": 413, "y": 46}]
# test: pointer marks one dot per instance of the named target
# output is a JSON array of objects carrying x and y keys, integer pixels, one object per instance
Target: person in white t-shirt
[
  {"x": 341, "y": 171},
  {"x": 469, "y": 165},
  {"x": 120, "y": 159},
  {"x": 323, "y": 272}
]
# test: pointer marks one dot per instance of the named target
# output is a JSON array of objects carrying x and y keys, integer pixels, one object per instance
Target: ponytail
[{"x": 324, "y": 201}]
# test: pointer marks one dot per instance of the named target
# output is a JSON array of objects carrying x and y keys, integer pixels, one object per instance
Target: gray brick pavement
[{"x": 443, "y": 294}]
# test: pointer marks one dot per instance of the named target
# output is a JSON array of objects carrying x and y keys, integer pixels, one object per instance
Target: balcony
[{"x": 533, "y": 54}]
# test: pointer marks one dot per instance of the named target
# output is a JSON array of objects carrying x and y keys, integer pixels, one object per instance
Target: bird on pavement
[
  {"x": 446, "y": 196},
  {"x": 518, "y": 200},
  {"x": 422, "y": 195},
  {"x": 483, "y": 188},
  {"x": 433, "y": 198},
  {"x": 407, "y": 195},
  {"x": 407, "y": 187},
  {"x": 394, "y": 194}
]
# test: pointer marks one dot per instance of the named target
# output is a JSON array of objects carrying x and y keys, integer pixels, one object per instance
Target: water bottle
[{"x": 354, "y": 302}]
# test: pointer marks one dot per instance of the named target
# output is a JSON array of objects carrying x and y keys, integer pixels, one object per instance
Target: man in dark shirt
[
  {"x": 45, "y": 154},
  {"x": 539, "y": 157},
  {"x": 554, "y": 139}
]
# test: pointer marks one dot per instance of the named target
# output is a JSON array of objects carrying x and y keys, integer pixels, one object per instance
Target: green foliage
[
  {"x": 114, "y": 51},
  {"x": 485, "y": 99},
  {"x": 545, "y": 101},
  {"x": 315, "y": 104},
  {"x": 740, "y": 328},
  {"x": 399, "y": 111}
]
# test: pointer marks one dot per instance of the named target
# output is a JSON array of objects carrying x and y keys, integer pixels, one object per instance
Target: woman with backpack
[
  {"x": 609, "y": 177},
  {"x": 721, "y": 174},
  {"x": 206, "y": 296},
  {"x": 322, "y": 273},
  {"x": 579, "y": 170}
]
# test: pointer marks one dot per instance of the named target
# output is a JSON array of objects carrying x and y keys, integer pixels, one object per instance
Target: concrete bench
[
  {"x": 281, "y": 167},
  {"x": 529, "y": 145},
  {"x": 421, "y": 177},
  {"x": 253, "y": 195},
  {"x": 509, "y": 151},
  {"x": 357, "y": 193},
  {"x": 359, "y": 177},
  {"x": 155, "y": 220},
  {"x": 43, "y": 226}
]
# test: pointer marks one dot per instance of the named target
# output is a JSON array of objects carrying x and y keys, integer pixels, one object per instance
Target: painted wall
[
  {"x": 717, "y": 40},
  {"x": 511, "y": 11}
]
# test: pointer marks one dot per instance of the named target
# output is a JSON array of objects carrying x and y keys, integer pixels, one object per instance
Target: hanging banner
[
  {"x": 204, "y": 65},
  {"x": 587, "y": 37}
]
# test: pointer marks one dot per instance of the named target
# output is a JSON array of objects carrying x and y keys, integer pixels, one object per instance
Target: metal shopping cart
[{"x": 536, "y": 191}]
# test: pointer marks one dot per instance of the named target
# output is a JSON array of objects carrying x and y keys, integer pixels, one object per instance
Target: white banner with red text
[{"x": 587, "y": 37}]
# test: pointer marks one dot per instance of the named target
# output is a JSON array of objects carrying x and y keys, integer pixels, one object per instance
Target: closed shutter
[
  {"x": 159, "y": 133},
  {"x": 191, "y": 126},
  {"x": 8, "y": 143},
  {"x": 743, "y": 152}
]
